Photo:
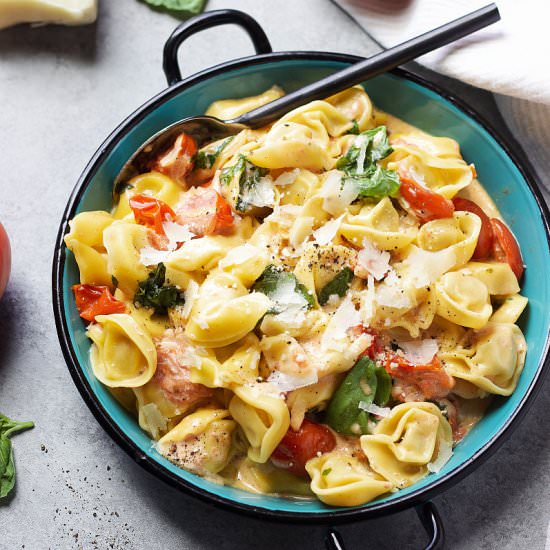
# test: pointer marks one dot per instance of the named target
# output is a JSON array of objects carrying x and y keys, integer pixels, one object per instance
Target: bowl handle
[
  {"x": 205, "y": 21},
  {"x": 429, "y": 516}
]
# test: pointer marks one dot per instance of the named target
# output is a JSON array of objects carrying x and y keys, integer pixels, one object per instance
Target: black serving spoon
[{"x": 205, "y": 129}]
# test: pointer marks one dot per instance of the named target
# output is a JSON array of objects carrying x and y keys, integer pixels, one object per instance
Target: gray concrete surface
[{"x": 61, "y": 92}]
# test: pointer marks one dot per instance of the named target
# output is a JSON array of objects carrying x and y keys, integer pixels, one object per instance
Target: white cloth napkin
[{"x": 510, "y": 58}]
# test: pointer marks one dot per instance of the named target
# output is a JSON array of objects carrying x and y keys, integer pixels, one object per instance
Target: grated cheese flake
[
  {"x": 373, "y": 260},
  {"x": 419, "y": 352},
  {"x": 338, "y": 193},
  {"x": 444, "y": 455},
  {"x": 287, "y": 178},
  {"x": 375, "y": 409},
  {"x": 327, "y": 232}
]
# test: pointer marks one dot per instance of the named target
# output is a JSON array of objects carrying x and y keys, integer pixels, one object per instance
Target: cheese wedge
[{"x": 64, "y": 12}]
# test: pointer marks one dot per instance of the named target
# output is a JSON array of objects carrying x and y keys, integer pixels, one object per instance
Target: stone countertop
[{"x": 62, "y": 90}]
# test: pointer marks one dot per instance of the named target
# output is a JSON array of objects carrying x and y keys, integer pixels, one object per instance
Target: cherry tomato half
[
  {"x": 431, "y": 379},
  {"x": 485, "y": 241},
  {"x": 427, "y": 205},
  {"x": 151, "y": 212},
  {"x": 296, "y": 448},
  {"x": 506, "y": 248},
  {"x": 92, "y": 300},
  {"x": 5, "y": 259}
]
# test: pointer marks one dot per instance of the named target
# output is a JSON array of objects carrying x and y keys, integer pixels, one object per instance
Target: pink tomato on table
[{"x": 5, "y": 259}]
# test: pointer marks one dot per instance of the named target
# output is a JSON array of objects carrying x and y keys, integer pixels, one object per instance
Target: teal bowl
[{"x": 510, "y": 182}]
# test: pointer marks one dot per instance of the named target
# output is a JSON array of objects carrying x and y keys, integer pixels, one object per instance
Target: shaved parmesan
[
  {"x": 419, "y": 352},
  {"x": 338, "y": 193},
  {"x": 361, "y": 142},
  {"x": 262, "y": 194},
  {"x": 149, "y": 255},
  {"x": 191, "y": 294},
  {"x": 391, "y": 293},
  {"x": 290, "y": 382},
  {"x": 176, "y": 233},
  {"x": 425, "y": 267},
  {"x": 345, "y": 317},
  {"x": 443, "y": 456},
  {"x": 327, "y": 232},
  {"x": 287, "y": 178},
  {"x": 375, "y": 409},
  {"x": 373, "y": 261},
  {"x": 368, "y": 302}
]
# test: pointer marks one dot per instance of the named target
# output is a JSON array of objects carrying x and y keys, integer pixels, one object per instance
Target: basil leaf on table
[
  {"x": 339, "y": 286},
  {"x": 182, "y": 8},
  {"x": 359, "y": 386},
  {"x": 8, "y": 427}
]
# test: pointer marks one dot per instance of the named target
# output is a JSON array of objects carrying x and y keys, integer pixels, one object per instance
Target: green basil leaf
[
  {"x": 378, "y": 183},
  {"x": 370, "y": 146},
  {"x": 155, "y": 294},
  {"x": 383, "y": 387},
  {"x": 245, "y": 176},
  {"x": 343, "y": 413},
  {"x": 273, "y": 282},
  {"x": 207, "y": 157},
  {"x": 178, "y": 7},
  {"x": 354, "y": 128},
  {"x": 339, "y": 286},
  {"x": 8, "y": 427}
]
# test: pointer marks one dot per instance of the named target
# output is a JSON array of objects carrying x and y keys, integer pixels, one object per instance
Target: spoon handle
[{"x": 373, "y": 66}]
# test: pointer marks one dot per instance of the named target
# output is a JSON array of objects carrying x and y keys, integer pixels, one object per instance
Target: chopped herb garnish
[
  {"x": 338, "y": 285},
  {"x": 246, "y": 176},
  {"x": 377, "y": 183},
  {"x": 359, "y": 165},
  {"x": 326, "y": 471},
  {"x": 154, "y": 293},
  {"x": 114, "y": 280},
  {"x": 354, "y": 128},
  {"x": 207, "y": 157}
]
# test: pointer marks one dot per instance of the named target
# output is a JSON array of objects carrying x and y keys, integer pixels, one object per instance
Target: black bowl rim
[{"x": 333, "y": 516}]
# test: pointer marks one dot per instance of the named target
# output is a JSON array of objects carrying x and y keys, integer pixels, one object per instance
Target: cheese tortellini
[
  {"x": 404, "y": 444},
  {"x": 282, "y": 315},
  {"x": 123, "y": 354}
]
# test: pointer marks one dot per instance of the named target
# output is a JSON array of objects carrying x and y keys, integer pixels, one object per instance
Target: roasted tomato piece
[
  {"x": 151, "y": 212},
  {"x": 178, "y": 161},
  {"x": 427, "y": 205},
  {"x": 430, "y": 380},
  {"x": 506, "y": 248},
  {"x": 485, "y": 240},
  {"x": 206, "y": 212},
  {"x": 92, "y": 300},
  {"x": 296, "y": 448},
  {"x": 376, "y": 346}
]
